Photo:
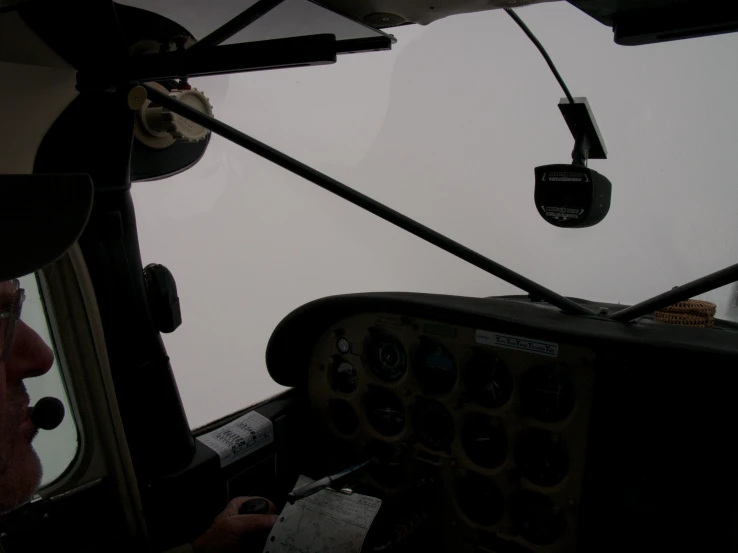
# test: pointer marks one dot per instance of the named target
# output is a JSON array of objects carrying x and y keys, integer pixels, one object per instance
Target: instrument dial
[
  {"x": 484, "y": 441},
  {"x": 541, "y": 457},
  {"x": 547, "y": 394},
  {"x": 435, "y": 368},
  {"x": 488, "y": 381},
  {"x": 385, "y": 412},
  {"x": 433, "y": 425},
  {"x": 386, "y": 356},
  {"x": 344, "y": 376}
]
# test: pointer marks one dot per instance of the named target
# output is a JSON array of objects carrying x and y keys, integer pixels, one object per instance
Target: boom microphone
[{"x": 47, "y": 414}]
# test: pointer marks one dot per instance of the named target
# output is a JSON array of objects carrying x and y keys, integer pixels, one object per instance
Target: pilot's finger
[
  {"x": 257, "y": 506},
  {"x": 235, "y": 533},
  {"x": 237, "y": 503},
  {"x": 244, "y": 524}
]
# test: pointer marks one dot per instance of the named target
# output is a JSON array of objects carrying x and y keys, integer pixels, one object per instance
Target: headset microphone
[{"x": 47, "y": 414}]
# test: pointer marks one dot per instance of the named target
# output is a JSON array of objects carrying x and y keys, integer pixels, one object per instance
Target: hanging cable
[{"x": 543, "y": 52}]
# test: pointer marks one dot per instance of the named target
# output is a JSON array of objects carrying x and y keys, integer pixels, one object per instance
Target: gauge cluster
[{"x": 499, "y": 422}]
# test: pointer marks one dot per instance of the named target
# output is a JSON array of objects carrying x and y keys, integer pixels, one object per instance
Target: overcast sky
[{"x": 446, "y": 128}]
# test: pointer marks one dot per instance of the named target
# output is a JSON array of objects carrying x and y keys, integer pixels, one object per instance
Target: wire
[{"x": 542, "y": 50}]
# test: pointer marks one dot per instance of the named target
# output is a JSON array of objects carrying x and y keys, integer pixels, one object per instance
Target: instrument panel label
[
  {"x": 239, "y": 438},
  {"x": 539, "y": 347}
]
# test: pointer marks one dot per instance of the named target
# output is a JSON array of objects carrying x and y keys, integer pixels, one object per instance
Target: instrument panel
[
  {"x": 493, "y": 424},
  {"x": 503, "y": 425}
]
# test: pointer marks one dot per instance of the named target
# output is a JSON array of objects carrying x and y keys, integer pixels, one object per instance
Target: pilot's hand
[{"x": 234, "y": 533}]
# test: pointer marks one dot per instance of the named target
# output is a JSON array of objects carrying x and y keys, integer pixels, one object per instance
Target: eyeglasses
[{"x": 10, "y": 312}]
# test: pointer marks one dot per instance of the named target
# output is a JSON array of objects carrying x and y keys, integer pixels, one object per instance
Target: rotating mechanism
[
  {"x": 385, "y": 356},
  {"x": 385, "y": 412},
  {"x": 433, "y": 425},
  {"x": 535, "y": 517},
  {"x": 480, "y": 499},
  {"x": 159, "y": 128},
  {"x": 484, "y": 441},
  {"x": 488, "y": 381},
  {"x": 541, "y": 457},
  {"x": 435, "y": 368},
  {"x": 547, "y": 394}
]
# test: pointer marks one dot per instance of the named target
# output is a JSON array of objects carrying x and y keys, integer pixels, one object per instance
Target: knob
[{"x": 159, "y": 128}]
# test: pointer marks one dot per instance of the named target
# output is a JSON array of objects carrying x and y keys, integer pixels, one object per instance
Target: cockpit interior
[{"x": 531, "y": 423}]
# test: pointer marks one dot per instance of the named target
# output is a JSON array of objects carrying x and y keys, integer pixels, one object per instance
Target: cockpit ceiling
[
  {"x": 392, "y": 13},
  {"x": 289, "y": 18},
  {"x": 634, "y": 21}
]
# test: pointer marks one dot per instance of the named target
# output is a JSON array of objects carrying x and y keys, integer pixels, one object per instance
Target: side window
[{"x": 56, "y": 448}]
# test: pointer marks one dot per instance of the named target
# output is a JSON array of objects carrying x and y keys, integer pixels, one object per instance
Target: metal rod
[
  {"x": 680, "y": 293},
  {"x": 368, "y": 44},
  {"x": 235, "y": 58},
  {"x": 237, "y": 24},
  {"x": 365, "y": 202}
]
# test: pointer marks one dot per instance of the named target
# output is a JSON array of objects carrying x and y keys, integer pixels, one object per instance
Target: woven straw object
[{"x": 688, "y": 313}]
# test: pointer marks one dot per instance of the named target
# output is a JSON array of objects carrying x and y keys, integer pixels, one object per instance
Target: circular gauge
[
  {"x": 386, "y": 357},
  {"x": 344, "y": 376},
  {"x": 389, "y": 470},
  {"x": 547, "y": 394},
  {"x": 435, "y": 368},
  {"x": 385, "y": 412},
  {"x": 535, "y": 517},
  {"x": 484, "y": 441},
  {"x": 433, "y": 425},
  {"x": 542, "y": 458},
  {"x": 488, "y": 381},
  {"x": 342, "y": 416},
  {"x": 480, "y": 499}
]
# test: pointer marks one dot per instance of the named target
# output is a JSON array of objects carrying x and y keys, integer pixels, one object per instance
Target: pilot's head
[
  {"x": 23, "y": 354},
  {"x": 41, "y": 217}
]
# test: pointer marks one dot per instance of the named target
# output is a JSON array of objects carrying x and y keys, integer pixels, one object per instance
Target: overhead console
[{"x": 503, "y": 425}]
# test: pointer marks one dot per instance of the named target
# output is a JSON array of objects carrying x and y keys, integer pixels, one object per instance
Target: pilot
[{"x": 23, "y": 353}]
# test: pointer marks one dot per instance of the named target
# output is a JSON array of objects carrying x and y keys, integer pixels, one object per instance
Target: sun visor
[{"x": 41, "y": 217}]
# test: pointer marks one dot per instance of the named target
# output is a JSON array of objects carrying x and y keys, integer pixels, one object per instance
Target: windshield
[{"x": 447, "y": 128}]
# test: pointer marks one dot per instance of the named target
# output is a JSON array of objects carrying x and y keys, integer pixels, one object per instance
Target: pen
[{"x": 326, "y": 481}]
